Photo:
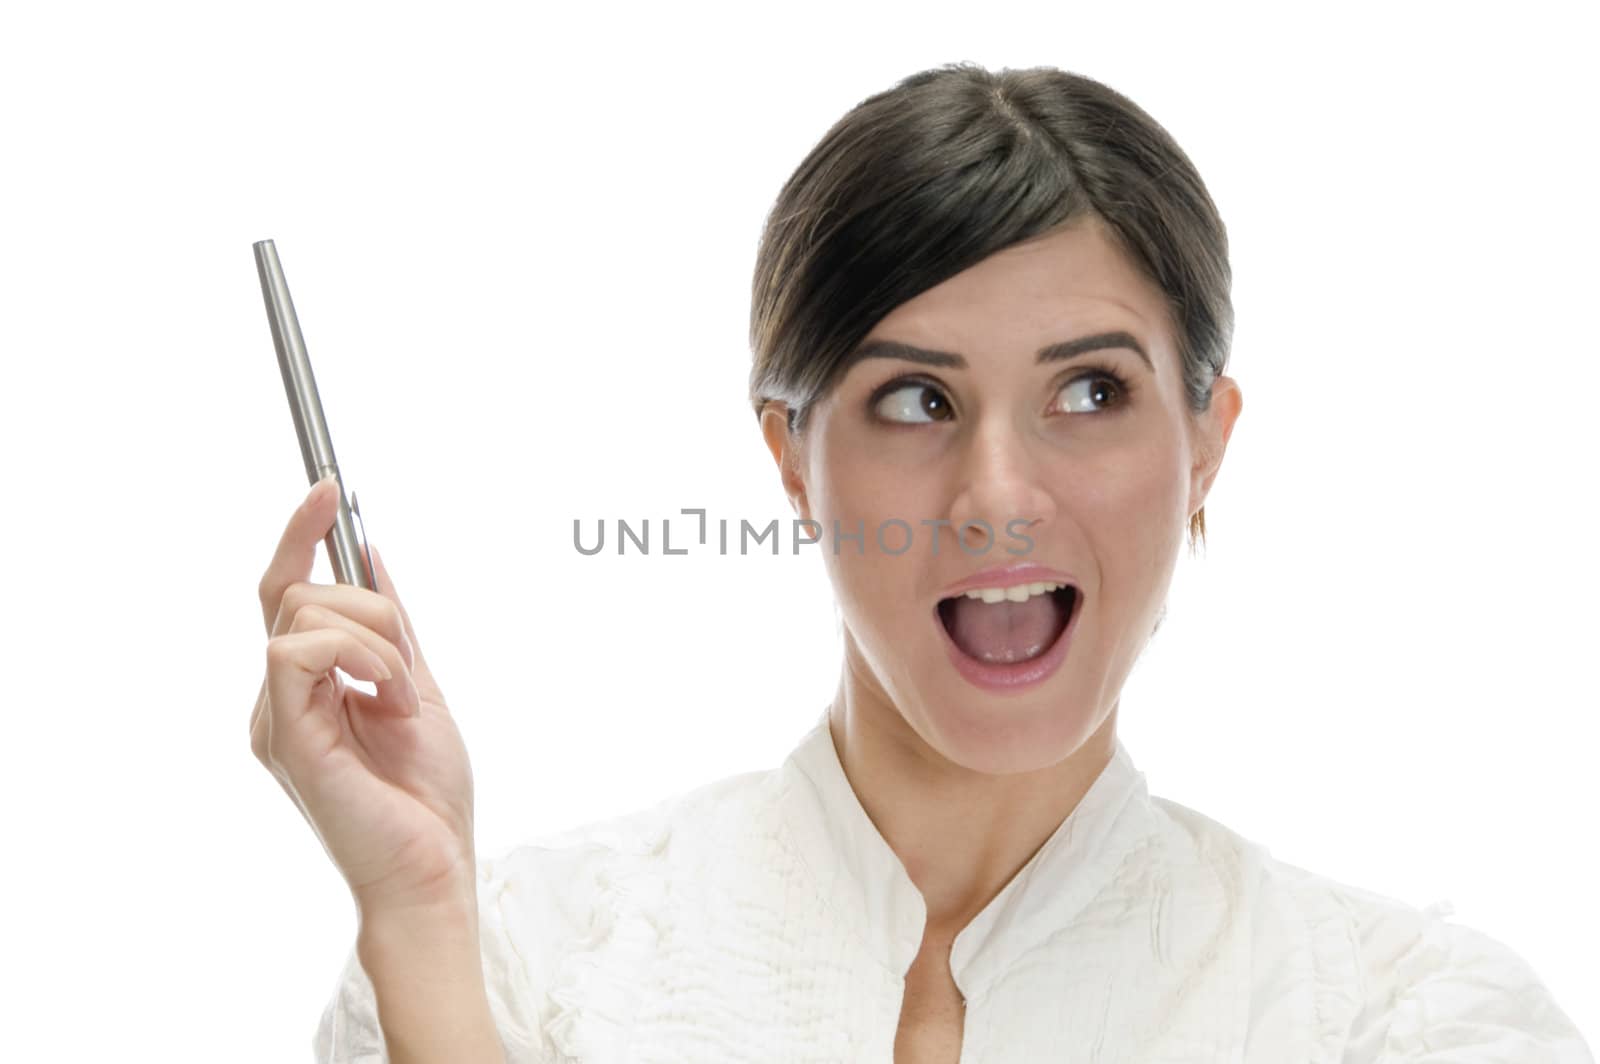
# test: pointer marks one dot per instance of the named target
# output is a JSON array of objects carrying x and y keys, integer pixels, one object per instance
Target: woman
[{"x": 990, "y": 320}]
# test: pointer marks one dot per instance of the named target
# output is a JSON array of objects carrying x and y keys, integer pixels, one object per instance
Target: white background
[{"x": 520, "y": 244}]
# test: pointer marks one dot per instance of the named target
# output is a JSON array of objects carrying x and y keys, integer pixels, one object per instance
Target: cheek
[
  {"x": 1134, "y": 510},
  {"x": 1145, "y": 481},
  {"x": 852, "y": 482},
  {"x": 864, "y": 495}
]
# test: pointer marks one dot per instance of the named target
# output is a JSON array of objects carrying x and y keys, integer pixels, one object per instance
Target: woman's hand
[{"x": 384, "y": 781}]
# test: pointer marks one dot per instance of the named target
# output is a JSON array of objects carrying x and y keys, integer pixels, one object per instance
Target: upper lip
[{"x": 1010, "y": 576}]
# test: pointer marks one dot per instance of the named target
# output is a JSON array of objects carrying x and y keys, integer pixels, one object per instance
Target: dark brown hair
[{"x": 949, "y": 166}]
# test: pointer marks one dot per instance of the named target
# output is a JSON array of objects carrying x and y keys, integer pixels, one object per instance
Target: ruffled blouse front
[{"x": 764, "y": 918}]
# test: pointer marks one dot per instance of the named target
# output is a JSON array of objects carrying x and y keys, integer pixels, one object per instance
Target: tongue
[{"x": 1003, "y": 631}]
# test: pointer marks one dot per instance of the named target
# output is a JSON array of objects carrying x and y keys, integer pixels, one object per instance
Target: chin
[{"x": 1008, "y": 735}]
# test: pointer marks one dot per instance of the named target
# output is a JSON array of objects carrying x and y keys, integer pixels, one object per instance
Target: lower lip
[{"x": 1014, "y": 677}]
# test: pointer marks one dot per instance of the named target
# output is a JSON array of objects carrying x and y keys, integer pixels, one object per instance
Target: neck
[{"x": 961, "y": 834}]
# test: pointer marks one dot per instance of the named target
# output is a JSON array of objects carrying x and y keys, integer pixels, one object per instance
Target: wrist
[
  {"x": 443, "y": 899},
  {"x": 436, "y": 930}
]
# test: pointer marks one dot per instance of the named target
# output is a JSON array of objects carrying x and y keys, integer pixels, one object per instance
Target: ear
[
  {"x": 785, "y": 450},
  {"x": 1215, "y": 426}
]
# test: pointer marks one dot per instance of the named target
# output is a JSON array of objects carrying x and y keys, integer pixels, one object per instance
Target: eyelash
[{"x": 1092, "y": 371}]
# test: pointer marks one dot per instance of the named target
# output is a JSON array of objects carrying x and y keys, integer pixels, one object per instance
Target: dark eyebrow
[{"x": 1059, "y": 352}]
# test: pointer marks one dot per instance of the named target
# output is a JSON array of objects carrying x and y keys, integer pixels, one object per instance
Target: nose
[{"x": 1001, "y": 481}]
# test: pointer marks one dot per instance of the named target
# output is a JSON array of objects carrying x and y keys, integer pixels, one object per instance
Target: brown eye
[
  {"x": 913, "y": 404},
  {"x": 1092, "y": 393}
]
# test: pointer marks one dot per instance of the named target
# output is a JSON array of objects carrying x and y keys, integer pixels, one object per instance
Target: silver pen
[{"x": 347, "y": 540}]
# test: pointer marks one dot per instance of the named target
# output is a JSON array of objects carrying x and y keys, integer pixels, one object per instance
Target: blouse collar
[{"x": 867, "y": 885}]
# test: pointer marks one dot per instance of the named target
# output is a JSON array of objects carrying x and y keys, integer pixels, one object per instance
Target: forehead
[{"x": 1068, "y": 281}]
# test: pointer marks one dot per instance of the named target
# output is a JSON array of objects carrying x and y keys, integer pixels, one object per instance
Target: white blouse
[{"x": 763, "y": 918}]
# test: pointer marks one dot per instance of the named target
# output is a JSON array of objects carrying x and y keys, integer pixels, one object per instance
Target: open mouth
[{"x": 1019, "y": 625}]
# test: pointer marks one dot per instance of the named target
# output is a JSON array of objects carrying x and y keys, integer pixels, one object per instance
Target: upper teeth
[{"x": 1019, "y": 593}]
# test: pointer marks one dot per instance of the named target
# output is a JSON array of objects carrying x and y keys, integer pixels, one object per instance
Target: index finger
[{"x": 297, "y": 548}]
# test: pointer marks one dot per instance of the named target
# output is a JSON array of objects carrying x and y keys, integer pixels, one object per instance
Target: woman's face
[{"x": 1093, "y": 458}]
